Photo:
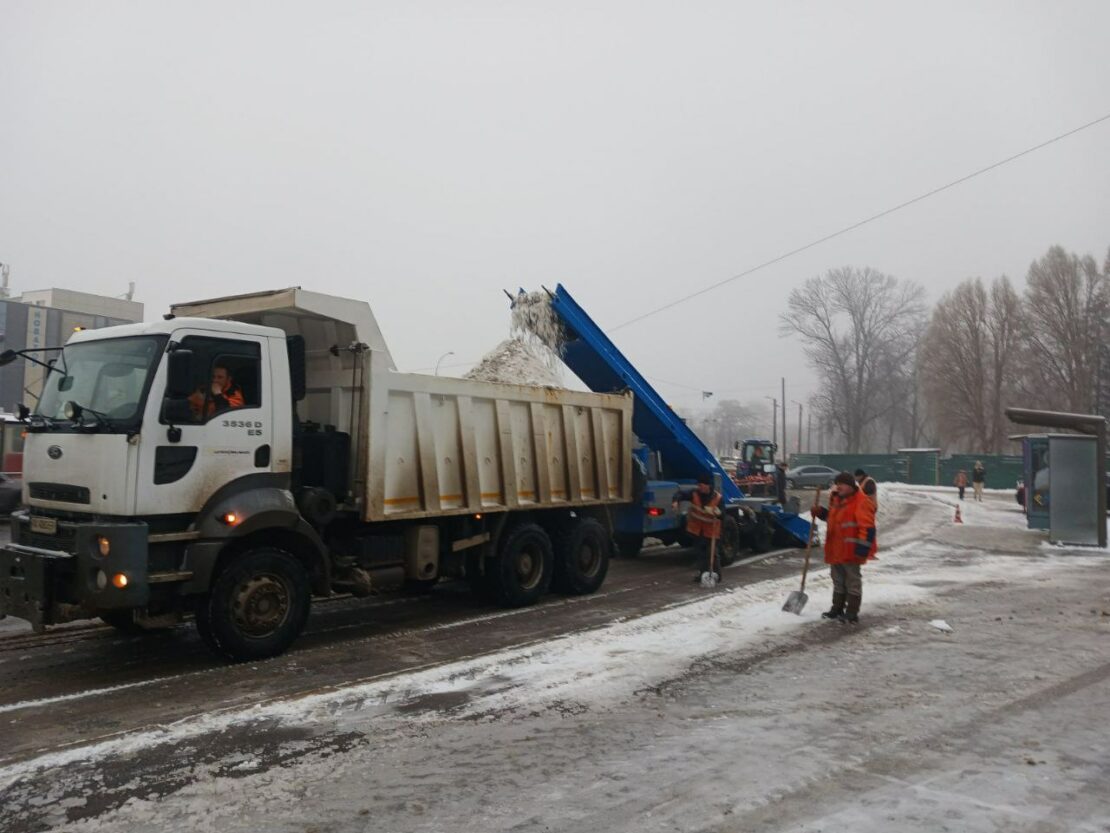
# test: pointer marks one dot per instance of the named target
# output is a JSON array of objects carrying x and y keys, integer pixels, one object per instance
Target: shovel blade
[
  {"x": 795, "y": 602},
  {"x": 708, "y": 579}
]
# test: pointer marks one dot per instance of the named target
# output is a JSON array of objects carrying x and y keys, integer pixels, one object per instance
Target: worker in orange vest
[
  {"x": 703, "y": 521},
  {"x": 850, "y": 542}
]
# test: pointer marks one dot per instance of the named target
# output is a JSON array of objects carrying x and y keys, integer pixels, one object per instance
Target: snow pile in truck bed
[
  {"x": 533, "y": 353},
  {"x": 515, "y": 362}
]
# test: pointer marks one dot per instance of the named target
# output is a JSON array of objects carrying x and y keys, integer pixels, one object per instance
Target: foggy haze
[{"x": 423, "y": 157}]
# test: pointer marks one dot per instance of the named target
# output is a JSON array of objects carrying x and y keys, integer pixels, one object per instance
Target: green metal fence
[{"x": 923, "y": 467}]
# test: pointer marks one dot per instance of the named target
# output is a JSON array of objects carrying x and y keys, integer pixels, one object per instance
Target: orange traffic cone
[{"x": 959, "y": 518}]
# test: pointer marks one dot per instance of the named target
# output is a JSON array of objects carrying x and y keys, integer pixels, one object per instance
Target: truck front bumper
[{"x": 49, "y": 578}]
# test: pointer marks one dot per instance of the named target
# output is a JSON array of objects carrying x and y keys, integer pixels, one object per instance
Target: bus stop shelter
[{"x": 1074, "y": 465}]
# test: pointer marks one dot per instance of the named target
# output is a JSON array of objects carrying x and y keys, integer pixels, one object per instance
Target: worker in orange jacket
[
  {"x": 222, "y": 395},
  {"x": 850, "y": 541},
  {"x": 703, "y": 522}
]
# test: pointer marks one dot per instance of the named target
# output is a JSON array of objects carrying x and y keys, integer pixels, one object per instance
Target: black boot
[
  {"x": 837, "y": 608},
  {"x": 851, "y": 615}
]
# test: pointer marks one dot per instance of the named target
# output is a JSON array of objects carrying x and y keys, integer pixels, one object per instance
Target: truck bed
[{"x": 440, "y": 446}]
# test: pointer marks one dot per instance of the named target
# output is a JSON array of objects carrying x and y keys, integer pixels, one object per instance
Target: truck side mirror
[
  {"x": 175, "y": 411},
  {"x": 294, "y": 345},
  {"x": 179, "y": 374}
]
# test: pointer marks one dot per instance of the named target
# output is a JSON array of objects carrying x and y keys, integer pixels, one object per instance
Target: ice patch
[{"x": 941, "y": 625}]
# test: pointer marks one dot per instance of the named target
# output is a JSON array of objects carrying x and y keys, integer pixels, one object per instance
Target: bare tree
[
  {"x": 858, "y": 327},
  {"x": 970, "y": 362},
  {"x": 1067, "y": 305},
  {"x": 729, "y": 421}
]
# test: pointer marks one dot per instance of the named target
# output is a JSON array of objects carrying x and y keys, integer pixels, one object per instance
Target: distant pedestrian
[
  {"x": 869, "y": 487},
  {"x": 978, "y": 476},
  {"x": 961, "y": 482},
  {"x": 703, "y": 522},
  {"x": 850, "y": 541},
  {"x": 780, "y": 482}
]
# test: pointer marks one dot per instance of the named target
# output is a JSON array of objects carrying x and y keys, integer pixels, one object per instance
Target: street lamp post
[{"x": 441, "y": 358}]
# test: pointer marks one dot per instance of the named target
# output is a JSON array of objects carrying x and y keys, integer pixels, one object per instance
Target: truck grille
[{"x": 60, "y": 492}]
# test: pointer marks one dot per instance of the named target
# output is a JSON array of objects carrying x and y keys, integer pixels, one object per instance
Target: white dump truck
[{"x": 249, "y": 452}]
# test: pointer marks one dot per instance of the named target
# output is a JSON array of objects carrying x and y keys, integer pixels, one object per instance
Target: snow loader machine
[{"x": 668, "y": 455}]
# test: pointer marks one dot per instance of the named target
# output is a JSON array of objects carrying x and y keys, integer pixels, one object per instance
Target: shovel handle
[{"x": 809, "y": 543}]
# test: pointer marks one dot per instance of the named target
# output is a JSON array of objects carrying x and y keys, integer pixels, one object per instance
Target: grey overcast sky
[{"x": 424, "y": 155}]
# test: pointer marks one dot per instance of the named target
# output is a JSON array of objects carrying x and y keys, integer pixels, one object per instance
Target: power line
[
  {"x": 715, "y": 391},
  {"x": 860, "y": 223}
]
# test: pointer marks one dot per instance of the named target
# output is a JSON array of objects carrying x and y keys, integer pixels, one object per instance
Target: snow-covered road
[{"x": 719, "y": 714}]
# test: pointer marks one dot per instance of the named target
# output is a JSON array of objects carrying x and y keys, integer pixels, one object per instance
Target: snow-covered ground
[{"x": 972, "y": 697}]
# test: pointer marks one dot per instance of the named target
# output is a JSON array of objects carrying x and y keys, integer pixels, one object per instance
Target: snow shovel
[
  {"x": 797, "y": 600},
  {"x": 709, "y": 577}
]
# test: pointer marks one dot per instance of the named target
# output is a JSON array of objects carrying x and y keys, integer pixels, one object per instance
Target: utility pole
[
  {"x": 774, "y": 419},
  {"x": 798, "y": 449},
  {"x": 784, "y": 434},
  {"x": 809, "y": 434}
]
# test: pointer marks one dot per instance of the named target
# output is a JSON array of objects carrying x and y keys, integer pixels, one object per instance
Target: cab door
[{"x": 229, "y": 433}]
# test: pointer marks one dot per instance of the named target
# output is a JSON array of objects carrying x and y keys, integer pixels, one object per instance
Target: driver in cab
[{"x": 222, "y": 395}]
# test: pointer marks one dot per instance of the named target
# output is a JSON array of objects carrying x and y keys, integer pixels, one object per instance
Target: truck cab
[{"x": 151, "y": 448}]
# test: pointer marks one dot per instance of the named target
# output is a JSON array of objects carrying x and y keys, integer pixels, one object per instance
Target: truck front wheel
[
  {"x": 582, "y": 560},
  {"x": 521, "y": 572},
  {"x": 257, "y": 606}
]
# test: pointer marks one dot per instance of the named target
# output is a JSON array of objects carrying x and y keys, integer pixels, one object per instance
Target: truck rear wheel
[
  {"x": 257, "y": 606},
  {"x": 521, "y": 572},
  {"x": 582, "y": 557}
]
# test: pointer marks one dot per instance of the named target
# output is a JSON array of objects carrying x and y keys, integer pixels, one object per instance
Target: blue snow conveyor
[{"x": 592, "y": 357}]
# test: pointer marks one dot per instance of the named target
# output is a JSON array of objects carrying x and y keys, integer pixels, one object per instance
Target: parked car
[
  {"x": 801, "y": 477},
  {"x": 11, "y": 493}
]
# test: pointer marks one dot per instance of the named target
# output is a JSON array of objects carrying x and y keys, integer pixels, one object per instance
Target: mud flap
[{"x": 26, "y": 583}]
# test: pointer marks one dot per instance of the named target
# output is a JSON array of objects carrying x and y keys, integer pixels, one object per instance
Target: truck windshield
[{"x": 109, "y": 377}]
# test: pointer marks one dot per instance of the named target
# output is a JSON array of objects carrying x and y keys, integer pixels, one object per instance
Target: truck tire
[
  {"x": 257, "y": 606},
  {"x": 629, "y": 546},
  {"x": 760, "y": 537},
  {"x": 521, "y": 572},
  {"x": 581, "y": 557},
  {"x": 729, "y": 545}
]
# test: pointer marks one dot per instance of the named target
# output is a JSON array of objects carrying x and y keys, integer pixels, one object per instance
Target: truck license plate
[{"x": 44, "y": 526}]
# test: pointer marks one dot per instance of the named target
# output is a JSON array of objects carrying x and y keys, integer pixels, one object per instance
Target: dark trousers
[
  {"x": 847, "y": 579},
  {"x": 703, "y": 556},
  {"x": 961, "y": 488}
]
